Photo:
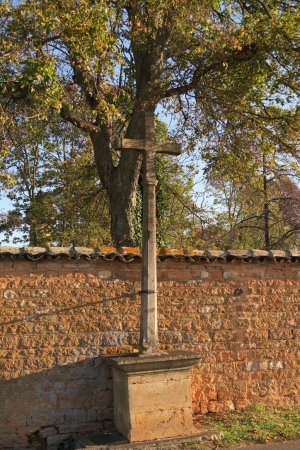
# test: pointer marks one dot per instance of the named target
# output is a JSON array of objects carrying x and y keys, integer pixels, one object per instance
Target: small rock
[
  {"x": 230, "y": 275},
  {"x": 45, "y": 432},
  {"x": 105, "y": 274}
]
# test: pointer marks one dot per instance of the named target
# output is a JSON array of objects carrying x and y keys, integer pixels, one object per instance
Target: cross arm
[
  {"x": 147, "y": 145},
  {"x": 129, "y": 144}
]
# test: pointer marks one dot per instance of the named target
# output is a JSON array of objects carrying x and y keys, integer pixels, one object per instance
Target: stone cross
[{"x": 149, "y": 147}]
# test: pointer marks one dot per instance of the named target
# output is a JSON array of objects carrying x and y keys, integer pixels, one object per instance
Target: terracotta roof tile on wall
[{"x": 128, "y": 254}]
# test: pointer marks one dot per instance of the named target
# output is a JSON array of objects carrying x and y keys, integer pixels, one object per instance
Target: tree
[
  {"x": 240, "y": 222},
  {"x": 289, "y": 203},
  {"x": 251, "y": 170},
  {"x": 57, "y": 196},
  {"x": 54, "y": 189},
  {"x": 100, "y": 64}
]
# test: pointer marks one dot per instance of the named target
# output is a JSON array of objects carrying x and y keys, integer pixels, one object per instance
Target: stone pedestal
[{"x": 152, "y": 395}]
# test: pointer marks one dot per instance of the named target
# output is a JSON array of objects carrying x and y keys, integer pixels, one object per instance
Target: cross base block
[{"x": 152, "y": 395}]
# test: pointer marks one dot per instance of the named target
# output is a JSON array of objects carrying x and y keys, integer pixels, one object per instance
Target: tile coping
[{"x": 129, "y": 254}]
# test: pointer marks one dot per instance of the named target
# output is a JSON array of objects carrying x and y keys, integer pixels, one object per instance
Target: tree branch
[
  {"x": 285, "y": 236},
  {"x": 83, "y": 79},
  {"x": 81, "y": 123},
  {"x": 235, "y": 57}
]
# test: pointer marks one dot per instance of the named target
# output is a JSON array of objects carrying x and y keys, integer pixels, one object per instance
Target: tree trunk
[
  {"x": 121, "y": 182},
  {"x": 33, "y": 240},
  {"x": 122, "y": 205},
  {"x": 266, "y": 207}
]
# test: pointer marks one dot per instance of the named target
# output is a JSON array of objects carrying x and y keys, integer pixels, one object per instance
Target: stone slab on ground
[
  {"x": 288, "y": 445},
  {"x": 106, "y": 440}
]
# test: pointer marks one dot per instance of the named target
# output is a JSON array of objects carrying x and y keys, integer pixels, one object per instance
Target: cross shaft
[{"x": 149, "y": 327}]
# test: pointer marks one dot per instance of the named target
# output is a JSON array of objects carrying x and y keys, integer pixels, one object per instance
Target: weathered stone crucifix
[{"x": 149, "y": 147}]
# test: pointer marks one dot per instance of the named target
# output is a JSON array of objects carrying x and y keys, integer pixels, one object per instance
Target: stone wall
[{"x": 59, "y": 317}]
